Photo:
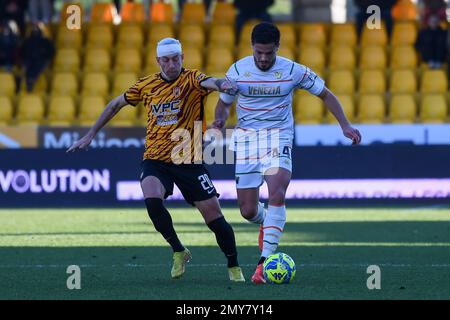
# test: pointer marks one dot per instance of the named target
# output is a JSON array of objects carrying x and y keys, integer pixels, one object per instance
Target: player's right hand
[
  {"x": 218, "y": 124},
  {"x": 83, "y": 143}
]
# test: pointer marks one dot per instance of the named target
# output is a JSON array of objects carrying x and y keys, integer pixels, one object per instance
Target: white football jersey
[{"x": 265, "y": 97}]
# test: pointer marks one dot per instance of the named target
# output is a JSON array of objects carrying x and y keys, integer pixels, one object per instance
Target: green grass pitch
[{"x": 122, "y": 257}]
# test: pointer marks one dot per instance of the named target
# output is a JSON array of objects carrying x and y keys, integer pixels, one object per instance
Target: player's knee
[{"x": 248, "y": 210}]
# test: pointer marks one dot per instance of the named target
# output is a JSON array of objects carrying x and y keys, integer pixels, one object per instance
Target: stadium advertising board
[
  {"x": 110, "y": 177},
  {"x": 23, "y": 136},
  {"x": 305, "y": 135},
  {"x": 109, "y": 137}
]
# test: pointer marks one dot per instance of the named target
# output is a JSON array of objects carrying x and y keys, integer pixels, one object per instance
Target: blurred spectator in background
[
  {"x": 434, "y": 7},
  {"x": 40, "y": 11},
  {"x": 9, "y": 45},
  {"x": 37, "y": 52},
  {"x": 249, "y": 10},
  {"x": 385, "y": 11},
  {"x": 432, "y": 42},
  {"x": 14, "y": 10}
]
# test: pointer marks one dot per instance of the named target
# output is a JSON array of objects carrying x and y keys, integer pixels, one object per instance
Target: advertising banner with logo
[{"x": 110, "y": 177}]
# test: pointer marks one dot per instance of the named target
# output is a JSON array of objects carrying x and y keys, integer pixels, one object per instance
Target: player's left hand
[
  {"x": 229, "y": 87},
  {"x": 352, "y": 133}
]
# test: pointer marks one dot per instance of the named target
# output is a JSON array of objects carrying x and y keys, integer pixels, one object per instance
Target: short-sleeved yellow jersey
[{"x": 171, "y": 105}]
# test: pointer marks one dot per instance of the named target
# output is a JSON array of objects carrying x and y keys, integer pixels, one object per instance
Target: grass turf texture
[{"x": 121, "y": 256}]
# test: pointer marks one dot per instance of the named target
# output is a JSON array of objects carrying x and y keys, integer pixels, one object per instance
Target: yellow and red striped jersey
[{"x": 173, "y": 110}]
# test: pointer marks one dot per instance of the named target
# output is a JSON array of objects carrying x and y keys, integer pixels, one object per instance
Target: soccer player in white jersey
[{"x": 264, "y": 134}]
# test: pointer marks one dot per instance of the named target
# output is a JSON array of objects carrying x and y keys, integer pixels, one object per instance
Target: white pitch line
[{"x": 320, "y": 265}]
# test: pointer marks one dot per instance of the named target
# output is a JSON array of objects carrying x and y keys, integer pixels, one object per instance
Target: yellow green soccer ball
[{"x": 279, "y": 268}]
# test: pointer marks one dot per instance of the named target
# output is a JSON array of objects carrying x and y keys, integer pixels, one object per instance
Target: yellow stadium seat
[
  {"x": 343, "y": 35},
  {"x": 126, "y": 117},
  {"x": 161, "y": 12},
  {"x": 66, "y": 38},
  {"x": 312, "y": 34},
  {"x": 40, "y": 87},
  {"x": 245, "y": 38},
  {"x": 67, "y": 60},
  {"x": 6, "y": 110},
  {"x": 222, "y": 36},
  {"x": 123, "y": 81},
  {"x": 433, "y": 81},
  {"x": 433, "y": 108},
  {"x": 7, "y": 84},
  {"x": 312, "y": 56},
  {"x": 97, "y": 60},
  {"x": 192, "y": 35},
  {"x": 372, "y": 58},
  {"x": 403, "y": 57},
  {"x": 374, "y": 37},
  {"x": 64, "y": 84},
  {"x": 348, "y": 106},
  {"x": 403, "y": 81},
  {"x": 103, "y": 12},
  {"x": 61, "y": 110},
  {"x": 372, "y": 81},
  {"x": 308, "y": 109},
  {"x": 151, "y": 65},
  {"x": 128, "y": 60},
  {"x": 341, "y": 81},
  {"x": 193, "y": 13},
  {"x": 244, "y": 50},
  {"x": 404, "y": 34},
  {"x": 286, "y": 52},
  {"x": 288, "y": 37},
  {"x": 371, "y": 108},
  {"x": 219, "y": 60},
  {"x": 210, "y": 107},
  {"x": 90, "y": 109},
  {"x": 132, "y": 12},
  {"x": 100, "y": 36},
  {"x": 402, "y": 108},
  {"x": 30, "y": 109},
  {"x": 223, "y": 13},
  {"x": 130, "y": 36},
  {"x": 342, "y": 57},
  {"x": 95, "y": 84},
  {"x": 159, "y": 31},
  {"x": 193, "y": 58}
]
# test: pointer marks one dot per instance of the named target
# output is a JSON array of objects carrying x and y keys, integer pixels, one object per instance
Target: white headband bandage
[{"x": 167, "y": 47}]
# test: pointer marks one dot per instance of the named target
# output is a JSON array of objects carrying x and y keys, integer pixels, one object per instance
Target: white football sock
[
  {"x": 273, "y": 229},
  {"x": 260, "y": 215}
]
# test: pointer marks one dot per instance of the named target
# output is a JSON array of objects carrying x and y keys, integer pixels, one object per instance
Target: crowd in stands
[{"x": 33, "y": 42}]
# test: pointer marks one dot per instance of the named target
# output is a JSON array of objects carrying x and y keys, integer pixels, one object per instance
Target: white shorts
[{"x": 252, "y": 166}]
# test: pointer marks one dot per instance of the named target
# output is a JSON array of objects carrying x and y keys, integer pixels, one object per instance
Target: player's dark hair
[{"x": 265, "y": 33}]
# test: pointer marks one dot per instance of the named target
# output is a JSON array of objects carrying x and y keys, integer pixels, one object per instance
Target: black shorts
[{"x": 193, "y": 180}]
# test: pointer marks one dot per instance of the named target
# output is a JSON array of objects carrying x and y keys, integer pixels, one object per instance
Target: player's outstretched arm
[
  {"x": 222, "y": 85},
  {"x": 221, "y": 114},
  {"x": 108, "y": 113},
  {"x": 333, "y": 104}
]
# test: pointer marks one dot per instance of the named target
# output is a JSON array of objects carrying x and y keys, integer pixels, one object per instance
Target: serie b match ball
[{"x": 279, "y": 268}]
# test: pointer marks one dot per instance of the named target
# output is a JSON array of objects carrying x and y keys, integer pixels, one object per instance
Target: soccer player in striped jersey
[
  {"x": 173, "y": 102},
  {"x": 264, "y": 134}
]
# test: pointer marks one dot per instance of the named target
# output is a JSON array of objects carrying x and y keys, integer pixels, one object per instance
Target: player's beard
[{"x": 269, "y": 64}]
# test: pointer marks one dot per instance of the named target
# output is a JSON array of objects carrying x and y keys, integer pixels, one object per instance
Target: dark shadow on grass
[{"x": 347, "y": 231}]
